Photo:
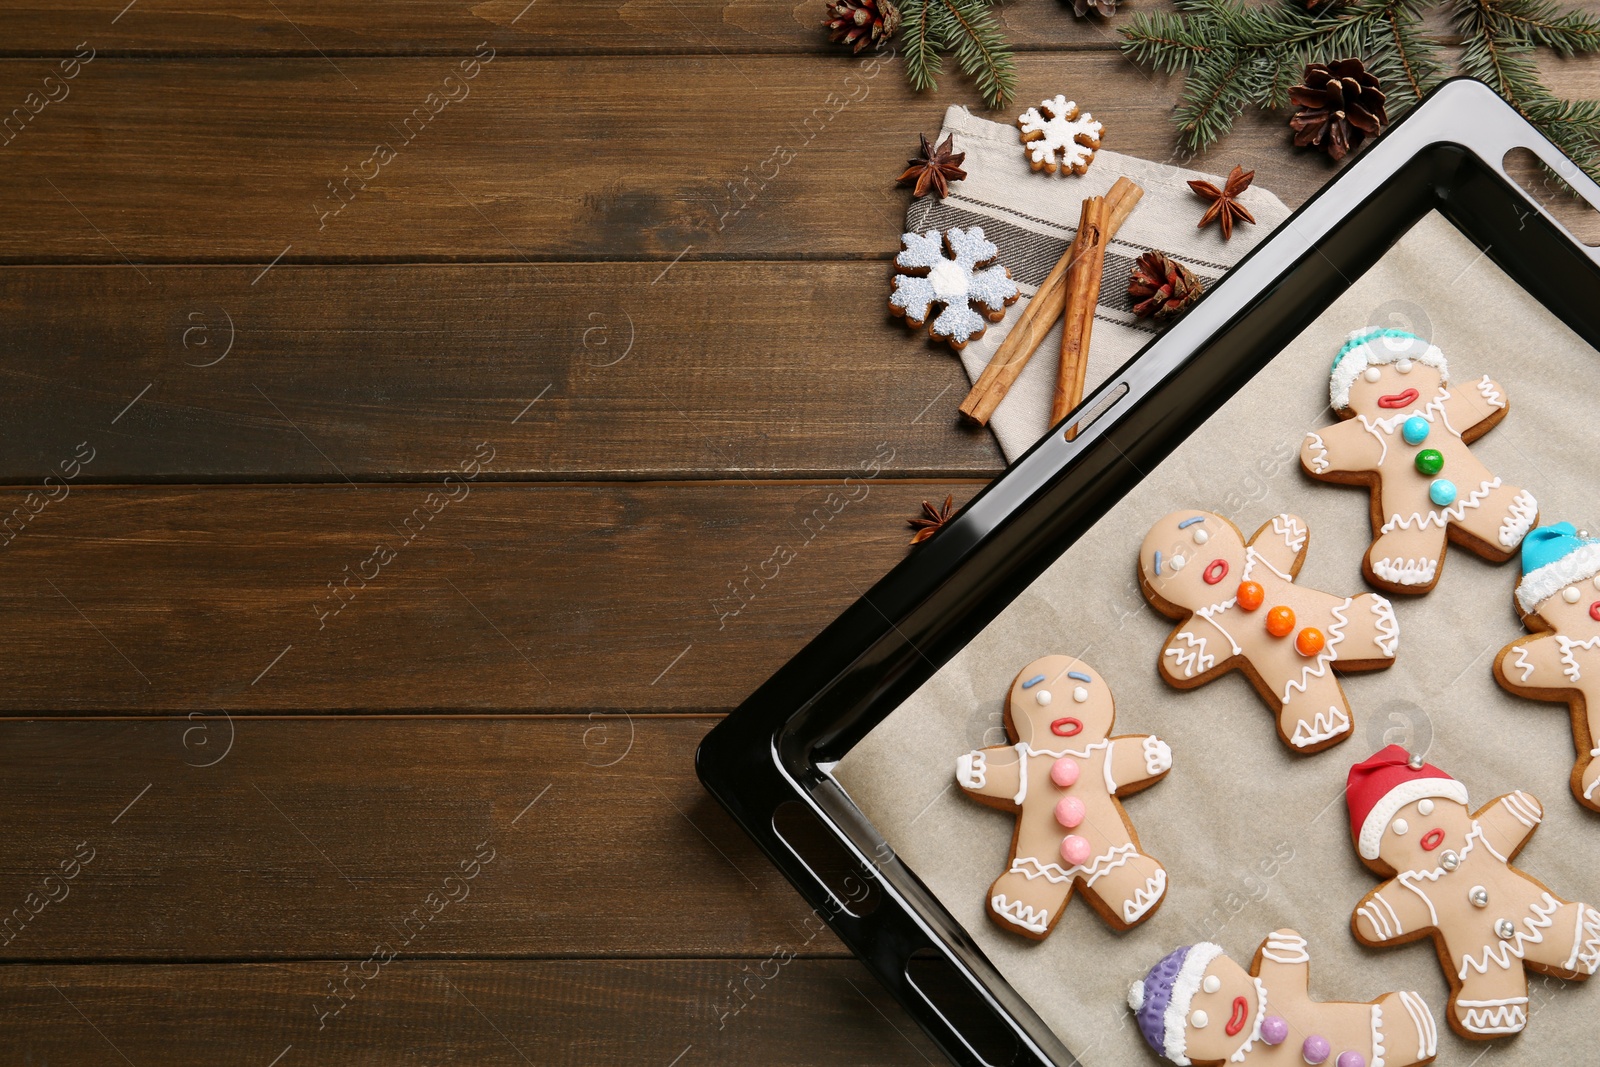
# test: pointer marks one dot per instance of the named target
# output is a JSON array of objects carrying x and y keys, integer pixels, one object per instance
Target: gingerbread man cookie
[
  {"x": 1559, "y": 599},
  {"x": 1062, "y": 775},
  {"x": 1240, "y": 608},
  {"x": 1405, "y": 437},
  {"x": 1450, "y": 877},
  {"x": 1198, "y": 1006}
]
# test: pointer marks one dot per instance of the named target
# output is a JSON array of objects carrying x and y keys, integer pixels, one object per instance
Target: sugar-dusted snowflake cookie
[
  {"x": 1058, "y": 138},
  {"x": 957, "y": 270}
]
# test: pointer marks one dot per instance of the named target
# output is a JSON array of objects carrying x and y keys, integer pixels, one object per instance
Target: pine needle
[{"x": 966, "y": 30}]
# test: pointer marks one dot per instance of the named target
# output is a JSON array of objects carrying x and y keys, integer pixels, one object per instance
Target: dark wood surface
[{"x": 672, "y": 364}]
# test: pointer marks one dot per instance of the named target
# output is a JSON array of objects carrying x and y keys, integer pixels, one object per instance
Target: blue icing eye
[
  {"x": 1080, "y": 677},
  {"x": 1031, "y": 682},
  {"x": 1186, "y": 523},
  {"x": 1158, "y": 562}
]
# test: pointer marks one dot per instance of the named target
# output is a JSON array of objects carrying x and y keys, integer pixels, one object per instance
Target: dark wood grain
[
  {"x": 546, "y": 159},
  {"x": 293, "y": 839},
  {"x": 812, "y": 1013},
  {"x": 514, "y": 598},
  {"x": 575, "y": 371}
]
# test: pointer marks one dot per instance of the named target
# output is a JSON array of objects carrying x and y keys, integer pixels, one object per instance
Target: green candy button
[{"x": 1430, "y": 461}]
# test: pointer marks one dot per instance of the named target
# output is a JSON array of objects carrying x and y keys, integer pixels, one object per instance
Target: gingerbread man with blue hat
[{"x": 1558, "y": 599}]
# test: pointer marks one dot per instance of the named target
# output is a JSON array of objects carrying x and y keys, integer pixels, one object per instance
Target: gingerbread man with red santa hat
[{"x": 1450, "y": 878}]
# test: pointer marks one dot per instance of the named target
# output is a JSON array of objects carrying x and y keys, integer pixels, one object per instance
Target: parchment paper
[{"x": 1253, "y": 837}]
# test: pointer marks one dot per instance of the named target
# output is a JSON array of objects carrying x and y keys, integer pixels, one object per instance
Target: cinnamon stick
[
  {"x": 1083, "y": 294},
  {"x": 1039, "y": 316}
]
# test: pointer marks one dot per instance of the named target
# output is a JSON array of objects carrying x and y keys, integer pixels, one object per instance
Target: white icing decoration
[
  {"x": 1321, "y": 727},
  {"x": 1064, "y": 133},
  {"x": 1422, "y": 1019},
  {"x": 1157, "y": 756},
  {"x": 1372, "y": 374},
  {"x": 1319, "y": 458},
  {"x": 1569, "y": 662},
  {"x": 1570, "y": 594},
  {"x": 1418, "y": 571},
  {"x": 1285, "y": 948},
  {"x": 1403, "y": 366},
  {"x": 1494, "y": 1016},
  {"x": 972, "y": 770},
  {"x": 1586, "y": 959},
  {"x": 1524, "y": 808},
  {"x": 1136, "y": 995},
  {"x": 1524, "y": 663},
  {"x": 1177, "y": 563},
  {"x": 1400, "y": 827},
  {"x": 1017, "y": 913},
  {"x": 1031, "y": 867},
  {"x": 1377, "y": 1037},
  {"x": 1144, "y": 898},
  {"x": 1318, "y": 667},
  {"x": 1490, "y": 394},
  {"x": 1043, "y": 697},
  {"x": 1439, "y": 516},
  {"x": 1023, "y": 750},
  {"x": 1199, "y": 1019},
  {"x": 1184, "y": 987},
  {"x": 1194, "y": 657},
  {"x": 1388, "y": 626},
  {"x": 1398, "y": 797},
  {"x": 1080, "y": 694},
  {"x": 1544, "y": 582},
  {"x": 1211, "y": 984},
  {"x": 1425, "y": 806},
  {"x": 1383, "y": 429},
  {"x": 1201, "y": 536},
  {"x": 955, "y": 281},
  {"x": 1255, "y": 1031},
  {"x": 1519, "y": 520},
  {"x": 1378, "y": 350},
  {"x": 1291, "y": 530}
]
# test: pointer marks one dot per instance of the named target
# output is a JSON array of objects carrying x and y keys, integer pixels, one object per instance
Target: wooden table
[{"x": 421, "y": 389}]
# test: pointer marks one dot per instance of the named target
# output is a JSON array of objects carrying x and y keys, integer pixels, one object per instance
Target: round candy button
[
  {"x": 1064, "y": 772},
  {"x": 1280, "y": 621},
  {"x": 1430, "y": 461},
  {"x": 1274, "y": 1029},
  {"x": 1415, "y": 430},
  {"x": 1351, "y": 1058},
  {"x": 1316, "y": 1049},
  {"x": 1069, "y": 812},
  {"x": 1074, "y": 849},
  {"x": 1251, "y": 595},
  {"x": 1309, "y": 642},
  {"x": 1442, "y": 492}
]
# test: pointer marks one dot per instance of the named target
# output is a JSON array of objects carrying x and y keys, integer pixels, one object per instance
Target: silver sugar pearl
[
  {"x": 1449, "y": 860},
  {"x": 1505, "y": 930},
  {"x": 1479, "y": 896},
  {"x": 1414, "y": 762}
]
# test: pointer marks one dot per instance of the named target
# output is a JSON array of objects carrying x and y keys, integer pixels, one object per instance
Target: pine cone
[
  {"x": 861, "y": 22},
  {"x": 1104, "y": 8},
  {"x": 1340, "y": 104},
  {"x": 1161, "y": 287}
]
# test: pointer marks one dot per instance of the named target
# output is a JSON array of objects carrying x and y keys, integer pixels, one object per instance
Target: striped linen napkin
[{"x": 1032, "y": 217}]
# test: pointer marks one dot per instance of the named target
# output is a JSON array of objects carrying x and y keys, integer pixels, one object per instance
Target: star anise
[
  {"x": 934, "y": 167},
  {"x": 1225, "y": 206},
  {"x": 932, "y": 519}
]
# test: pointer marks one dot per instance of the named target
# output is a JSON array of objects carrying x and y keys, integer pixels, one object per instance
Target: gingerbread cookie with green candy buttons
[
  {"x": 1240, "y": 609},
  {"x": 1197, "y": 1006},
  {"x": 1405, "y": 437},
  {"x": 1062, "y": 775},
  {"x": 1450, "y": 878},
  {"x": 1559, "y": 600}
]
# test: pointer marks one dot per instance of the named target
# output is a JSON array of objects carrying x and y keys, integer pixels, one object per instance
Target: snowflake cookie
[
  {"x": 1058, "y": 138},
  {"x": 955, "y": 271}
]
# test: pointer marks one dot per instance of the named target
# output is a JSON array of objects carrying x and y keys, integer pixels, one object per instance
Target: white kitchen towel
[{"x": 1033, "y": 217}]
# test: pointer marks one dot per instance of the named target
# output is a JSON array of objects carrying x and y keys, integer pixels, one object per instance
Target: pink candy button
[
  {"x": 1074, "y": 849},
  {"x": 1069, "y": 812},
  {"x": 1063, "y": 773}
]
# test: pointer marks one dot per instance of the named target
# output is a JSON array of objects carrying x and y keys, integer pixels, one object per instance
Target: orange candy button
[
  {"x": 1280, "y": 621},
  {"x": 1251, "y": 596},
  {"x": 1309, "y": 641}
]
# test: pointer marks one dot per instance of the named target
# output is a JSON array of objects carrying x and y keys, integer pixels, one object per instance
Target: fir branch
[
  {"x": 923, "y": 65},
  {"x": 966, "y": 29}
]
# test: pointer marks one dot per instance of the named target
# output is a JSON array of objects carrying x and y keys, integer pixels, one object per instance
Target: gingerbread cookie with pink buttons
[
  {"x": 1405, "y": 437},
  {"x": 1240, "y": 608},
  {"x": 1559, "y": 600},
  {"x": 1197, "y": 1006},
  {"x": 1450, "y": 878},
  {"x": 1062, "y": 775}
]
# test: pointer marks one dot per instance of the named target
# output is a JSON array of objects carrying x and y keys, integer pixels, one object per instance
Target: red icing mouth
[
  {"x": 1217, "y": 571},
  {"x": 1432, "y": 839},
  {"x": 1068, "y": 727},
  {"x": 1594, "y": 611},
  {"x": 1398, "y": 400},
  {"x": 1236, "y": 1021}
]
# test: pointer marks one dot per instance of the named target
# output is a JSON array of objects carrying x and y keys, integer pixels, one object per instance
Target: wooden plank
[
  {"x": 765, "y": 157},
  {"x": 577, "y": 371},
  {"x": 515, "y": 598},
  {"x": 812, "y": 1013},
  {"x": 339, "y": 28},
  {"x": 321, "y": 838}
]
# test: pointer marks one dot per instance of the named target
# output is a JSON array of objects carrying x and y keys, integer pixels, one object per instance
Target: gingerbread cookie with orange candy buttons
[
  {"x": 1198, "y": 1006},
  {"x": 1240, "y": 609},
  {"x": 1450, "y": 877},
  {"x": 1405, "y": 437},
  {"x": 1559, "y": 599},
  {"x": 1062, "y": 776}
]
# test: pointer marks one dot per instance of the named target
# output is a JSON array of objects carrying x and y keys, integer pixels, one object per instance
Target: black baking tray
[{"x": 768, "y": 762}]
